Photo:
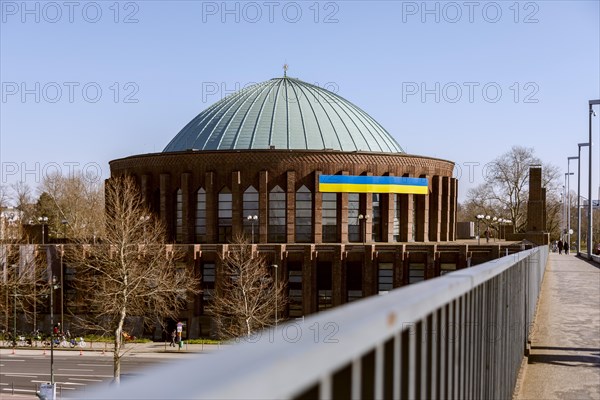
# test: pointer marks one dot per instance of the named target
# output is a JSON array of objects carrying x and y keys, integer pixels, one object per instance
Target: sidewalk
[
  {"x": 565, "y": 351},
  {"x": 151, "y": 349}
]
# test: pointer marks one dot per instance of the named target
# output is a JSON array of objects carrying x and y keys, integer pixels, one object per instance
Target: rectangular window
[
  {"x": 385, "y": 277},
  {"x": 295, "y": 290},
  {"x": 416, "y": 272},
  {"x": 353, "y": 281},
  {"x": 208, "y": 282}
]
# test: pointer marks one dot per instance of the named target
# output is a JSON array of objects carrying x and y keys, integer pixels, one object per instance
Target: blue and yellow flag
[{"x": 372, "y": 184}]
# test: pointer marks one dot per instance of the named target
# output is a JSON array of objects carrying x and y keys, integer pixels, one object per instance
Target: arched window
[
  {"x": 303, "y": 215},
  {"x": 178, "y": 223},
  {"x": 353, "y": 221},
  {"x": 225, "y": 215},
  {"x": 329, "y": 217},
  {"x": 277, "y": 209},
  {"x": 201, "y": 216},
  {"x": 250, "y": 209}
]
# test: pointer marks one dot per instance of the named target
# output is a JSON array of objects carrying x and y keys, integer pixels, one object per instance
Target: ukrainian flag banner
[{"x": 372, "y": 184}]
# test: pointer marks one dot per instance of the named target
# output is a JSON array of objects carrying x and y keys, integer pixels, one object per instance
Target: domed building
[{"x": 314, "y": 182}]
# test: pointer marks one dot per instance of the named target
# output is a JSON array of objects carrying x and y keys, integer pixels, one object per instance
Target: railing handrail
[{"x": 279, "y": 364}]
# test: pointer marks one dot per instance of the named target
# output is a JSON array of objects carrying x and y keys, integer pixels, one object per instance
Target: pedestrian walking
[
  {"x": 487, "y": 235},
  {"x": 560, "y": 247},
  {"x": 173, "y": 336},
  {"x": 566, "y": 247}
]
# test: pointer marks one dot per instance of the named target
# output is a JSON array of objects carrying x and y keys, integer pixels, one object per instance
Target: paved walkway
[{"x": 565, "y": 351}]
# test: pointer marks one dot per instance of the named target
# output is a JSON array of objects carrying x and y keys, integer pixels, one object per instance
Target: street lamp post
[
  {"x": 479, "y": 218},
  {"x": 52, "y": 287},
  {"x": 43, "y": 220},
  {"x": 569, "y": 197},
  {"x": 567, "y": 220},
  {"x": 589, "y": 238},
  {"x": 252, "y": 219},
  {"x": 579, "y": 146},
  {"x": 363, "y": 221}
]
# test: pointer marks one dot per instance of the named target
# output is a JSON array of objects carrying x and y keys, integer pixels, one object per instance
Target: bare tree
[
  {"x": 505, "y": 191},
  {"x": 74, "y": 205},
  {"x": 23, "y": 201},
  {"x": 133, "y": 274},
  {"x": 246, "y": 297}
]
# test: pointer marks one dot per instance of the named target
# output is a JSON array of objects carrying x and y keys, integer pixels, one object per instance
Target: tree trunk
[{"x": 118, "y": 346}]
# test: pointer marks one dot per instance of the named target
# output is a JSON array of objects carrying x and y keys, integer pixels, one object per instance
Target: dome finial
[{"x": 285, "y": 68}]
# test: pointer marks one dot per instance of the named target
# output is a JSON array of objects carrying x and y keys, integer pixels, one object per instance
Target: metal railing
[{"x": 459, "y": 336}]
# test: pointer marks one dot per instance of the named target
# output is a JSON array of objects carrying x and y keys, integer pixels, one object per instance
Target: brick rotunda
[{"x": 257, "y": 162}]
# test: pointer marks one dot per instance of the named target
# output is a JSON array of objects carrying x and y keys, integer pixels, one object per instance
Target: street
[{"x": 22, "y": 373}]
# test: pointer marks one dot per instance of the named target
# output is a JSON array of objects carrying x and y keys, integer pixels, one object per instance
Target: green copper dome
[{"x": 284, "y": 113}]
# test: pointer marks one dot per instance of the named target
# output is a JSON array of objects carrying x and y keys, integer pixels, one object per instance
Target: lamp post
[
  {"x": 569, "y": 197},
  {"x": 275, "y": 267},
  {"x": 363, "y": 222},
  {"x": 43, "y": 221},
  {"x": 567, "y": 220},
  {"x": 500, "y": 221},
  {"x": 52, "y": 287},
  {"x": 479, "y": 218},
  {"x": 589, "y": 238},
  {"x": 252, "y": 219},
  {"x": 579, "y": 146},
  {"x": 487, "y": 228},
  {"x": 495, "y": 219}
]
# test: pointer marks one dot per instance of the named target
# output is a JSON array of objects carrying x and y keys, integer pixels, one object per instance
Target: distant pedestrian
[
  {"x": 487, "y": 235},
  {"x": 560, "y": 246},
  {"x": 173, "y": 336},
  {"x": 566, "y": 247}
]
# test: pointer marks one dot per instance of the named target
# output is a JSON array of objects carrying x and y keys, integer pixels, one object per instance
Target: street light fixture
[
  {"x": 579, "y": 146},
  {"x": 589, "y": 238},
  {"x": 479, "y": 218},
  {"x": 363, "y": 221},
  {"x": 252, "y": 219}
]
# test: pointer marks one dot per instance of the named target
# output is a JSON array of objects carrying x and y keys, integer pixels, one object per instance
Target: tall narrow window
[
  {"x": 353, "y": 281},
  {"x": 201, "y": 216},
  {"x": 277, "y": 209},
  {"x": 329, "y": 218},
  {"x": 208, "y": 284},
  {"x": 413, "y": 201},
  {"x": 178, "y": 216},
  {"x": 225, "y": 215},
  {"x": 303, "y": 215},
  {"x": 385, "y": 277},
  {"x": 324, "y": 285},
  {"x": 250, "y": 213},
  {"x": 353, "y": 221},
  {"x": 376, "y": 233},
  {"x": 396, "y": 223},
  {"x": 294, "y": 289}
]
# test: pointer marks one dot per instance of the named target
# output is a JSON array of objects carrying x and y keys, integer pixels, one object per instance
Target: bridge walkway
[{"x": 564, "y": 361}]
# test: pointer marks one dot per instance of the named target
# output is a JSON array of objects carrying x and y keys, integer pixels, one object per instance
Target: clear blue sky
[{"x": 504, "y": 73}]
